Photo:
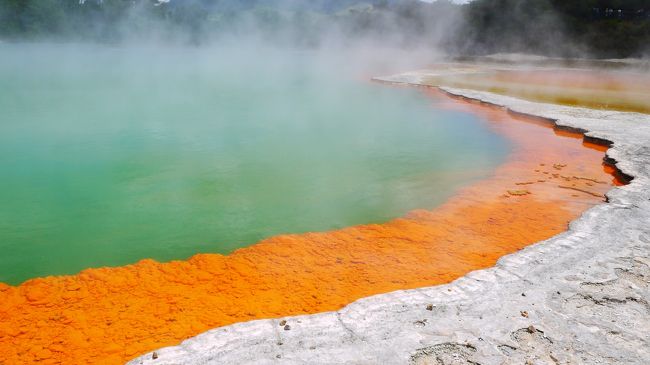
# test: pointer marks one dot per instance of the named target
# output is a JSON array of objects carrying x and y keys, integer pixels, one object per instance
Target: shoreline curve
[
  {"x": 579, "y": 297},
  {"x": 109, "y": 315}
]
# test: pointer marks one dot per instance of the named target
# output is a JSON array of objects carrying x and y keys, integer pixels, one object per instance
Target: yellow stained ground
[{"x": 599, "y": 89}]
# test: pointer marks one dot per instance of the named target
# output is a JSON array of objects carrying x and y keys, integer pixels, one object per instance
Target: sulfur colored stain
[
  {"x": 109, "y": 315},
  {"x": 599, "y": 89}
]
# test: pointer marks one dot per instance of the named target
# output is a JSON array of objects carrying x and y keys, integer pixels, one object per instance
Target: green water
[{"x": 111, "y": 155}]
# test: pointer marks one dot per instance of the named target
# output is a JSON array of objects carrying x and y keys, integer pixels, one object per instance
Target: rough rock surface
[{"x": 582, "y": 297}]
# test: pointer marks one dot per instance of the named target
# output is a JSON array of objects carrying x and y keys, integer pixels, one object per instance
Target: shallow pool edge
[{"x": 553, "y": 300}]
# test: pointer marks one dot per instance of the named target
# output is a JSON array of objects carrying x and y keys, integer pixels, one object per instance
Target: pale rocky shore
[{"x": 582, "y": 297}]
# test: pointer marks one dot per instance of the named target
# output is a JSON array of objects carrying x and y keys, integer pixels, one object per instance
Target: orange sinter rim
[{"x": 110, "y": 315}]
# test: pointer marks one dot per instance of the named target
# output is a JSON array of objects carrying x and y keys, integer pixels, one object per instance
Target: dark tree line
[{"x": 600, "y": 28}]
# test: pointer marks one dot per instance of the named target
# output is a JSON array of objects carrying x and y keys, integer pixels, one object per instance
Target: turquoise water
[{"x": 111, "y": 155}]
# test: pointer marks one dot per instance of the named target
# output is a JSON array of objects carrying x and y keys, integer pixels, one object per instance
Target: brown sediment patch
[
  {"x": 109, "y": 315},
  {"x": 600, "y": 89}
]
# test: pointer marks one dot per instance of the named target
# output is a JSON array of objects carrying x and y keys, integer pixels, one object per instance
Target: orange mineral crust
[{"x": 110, "y": 315}]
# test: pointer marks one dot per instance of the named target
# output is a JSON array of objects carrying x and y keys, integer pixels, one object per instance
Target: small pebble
[
  {"x": 524, "y": 314},
  {"x": 531, "y": 329},
  {"x": 430, "y": 307},
  {"x": 282, "y": 323},
  {"x": 287, "y": 327},
  {"x": 154, "y": 355}
]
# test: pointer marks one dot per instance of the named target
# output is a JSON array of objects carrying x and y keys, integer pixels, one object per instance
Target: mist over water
[{"x": 114, "y": 154}]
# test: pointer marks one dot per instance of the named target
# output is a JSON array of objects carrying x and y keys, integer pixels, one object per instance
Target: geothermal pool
[
  {"x": 112, "y": 155},
  {"x": 126, "y": 156}
]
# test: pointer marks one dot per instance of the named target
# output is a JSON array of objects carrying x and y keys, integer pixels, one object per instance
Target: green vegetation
[{"x": 599, "y": 28}]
